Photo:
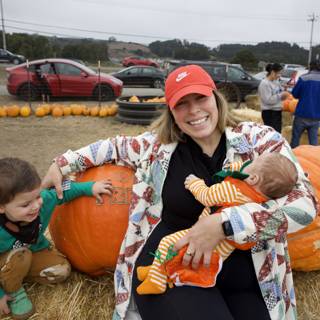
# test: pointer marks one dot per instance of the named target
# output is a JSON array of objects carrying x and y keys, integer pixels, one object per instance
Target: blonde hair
[
  {"x": 168, "y": 132},
  {"x": 279, "y": 176}
]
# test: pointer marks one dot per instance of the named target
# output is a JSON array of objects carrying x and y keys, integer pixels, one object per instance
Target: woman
[
  {"x": 192, "y": 137},
  {"x": 271, "y": 95}
]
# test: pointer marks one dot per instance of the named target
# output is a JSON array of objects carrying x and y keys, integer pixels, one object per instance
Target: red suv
[
  {"x": 138, "y": 61},
  {"x": 60, "y": 78}
]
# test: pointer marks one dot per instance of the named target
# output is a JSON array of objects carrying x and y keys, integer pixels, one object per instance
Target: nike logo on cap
[{"x": 181, "y": 76}]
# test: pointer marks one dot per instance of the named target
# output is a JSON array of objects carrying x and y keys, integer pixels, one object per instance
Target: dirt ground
[{"x": 39, "y": 140}]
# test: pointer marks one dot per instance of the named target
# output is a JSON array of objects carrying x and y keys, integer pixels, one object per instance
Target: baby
[{"x": 269, "y": 176}]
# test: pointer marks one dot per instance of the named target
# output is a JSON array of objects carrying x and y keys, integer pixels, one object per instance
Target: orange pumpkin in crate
[
  {"x": 89, "y": 234},
  {"x": 304, "y": 245}
]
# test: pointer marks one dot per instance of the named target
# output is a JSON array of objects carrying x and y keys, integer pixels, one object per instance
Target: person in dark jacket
[{"x": 307, "y": 114}]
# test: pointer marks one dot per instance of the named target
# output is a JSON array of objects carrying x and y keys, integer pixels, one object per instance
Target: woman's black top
[{"x": 180, "y": 208}]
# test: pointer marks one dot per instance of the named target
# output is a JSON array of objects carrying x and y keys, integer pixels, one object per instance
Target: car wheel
[
  {"x": 231, "y": 92},
  {"x": 105, "y": 93},
  {"x": 130, "y": 64},
  {"x": 27, "y": 92},
  {"x": 16, "y": 61},
  {"x": 157, "y": 83}
]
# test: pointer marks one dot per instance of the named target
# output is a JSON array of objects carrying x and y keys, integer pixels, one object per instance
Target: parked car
[
  {"x": 60, "y": 78},
  {"x": 9, "y": 57},
  {"x": 293, "y": 66},
  {"x": 141, "y": 75},
  {"x": 138, "y": 61},
  {"x": 224, "y": 73}
]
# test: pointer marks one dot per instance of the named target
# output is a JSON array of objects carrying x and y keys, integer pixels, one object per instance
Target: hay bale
[
  {"x": 253, "y": 101},
  {"x": 246, "y": 114},
  {"x": 287, "y": 134}
]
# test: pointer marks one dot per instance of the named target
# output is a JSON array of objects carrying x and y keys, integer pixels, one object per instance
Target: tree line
[
  {"x": 91, "y": 50},
  {"x": 38, "y": 47}
]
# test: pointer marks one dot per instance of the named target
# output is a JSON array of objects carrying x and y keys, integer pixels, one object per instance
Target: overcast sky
[{"x": 210, "y": 22}]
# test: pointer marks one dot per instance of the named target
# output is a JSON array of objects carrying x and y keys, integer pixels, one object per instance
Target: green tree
[{"x": 246, "y": 58}]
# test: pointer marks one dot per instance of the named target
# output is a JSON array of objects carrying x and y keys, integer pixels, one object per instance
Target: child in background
[
  {"x": 25, "y": 212},
  {"x": 269, "y": 176}
]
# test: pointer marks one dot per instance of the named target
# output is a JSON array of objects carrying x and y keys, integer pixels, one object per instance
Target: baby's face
[{"x": 25, "y": 206}]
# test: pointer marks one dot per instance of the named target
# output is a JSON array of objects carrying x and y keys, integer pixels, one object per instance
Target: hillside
[{"x": 118, "y": 50}]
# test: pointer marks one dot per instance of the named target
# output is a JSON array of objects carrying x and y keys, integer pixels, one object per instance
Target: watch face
[{"x": 227, "y": 228}]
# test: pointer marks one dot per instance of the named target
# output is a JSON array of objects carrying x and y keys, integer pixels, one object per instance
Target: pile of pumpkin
[
  {"x": 58, "y": 110},
  {"x": 290, "y": 104},
  {"x": 151, "y": 100}
]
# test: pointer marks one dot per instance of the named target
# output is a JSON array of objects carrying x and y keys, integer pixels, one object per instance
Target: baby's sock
[
  {"x": 142, "y": 272},
  {"x": 152, "y": 286}
]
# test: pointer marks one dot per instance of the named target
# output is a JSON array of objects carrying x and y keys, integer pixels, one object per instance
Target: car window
[
  {"x": 217, "y": 72},
  {"x": 235, "y": 74},
  {"x": 133, "y": 71},
  {"x": 147, "y": 71},
  {"x": 67, "y": 69},
  {"x": 47, "y": 68},
  {"x": 287, "y": 73}
]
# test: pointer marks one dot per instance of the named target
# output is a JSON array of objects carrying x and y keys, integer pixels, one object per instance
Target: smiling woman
[{"x": 195, "y": 134}]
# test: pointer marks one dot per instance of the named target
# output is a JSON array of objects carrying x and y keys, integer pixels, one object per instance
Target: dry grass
[{"x": 81, "y": 297}]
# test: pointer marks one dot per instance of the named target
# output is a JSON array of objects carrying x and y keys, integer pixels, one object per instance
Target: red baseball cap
[{"x": 186, "y": 80}]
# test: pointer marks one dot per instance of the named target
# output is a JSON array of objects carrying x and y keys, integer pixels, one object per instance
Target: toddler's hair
[
  {"x": 16, "y": 176},
  {"x": 279, "y": 176}
]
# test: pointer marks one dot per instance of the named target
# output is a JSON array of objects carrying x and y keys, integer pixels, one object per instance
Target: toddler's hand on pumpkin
[
  {"x": 189, "y": 179},
  {"x": 102, "y": 187}
]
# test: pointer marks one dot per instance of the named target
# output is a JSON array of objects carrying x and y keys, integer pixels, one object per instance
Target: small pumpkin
[
  {"x": 25, "y": 111},
  {"x": 103, "y": 112},
  {"x": 76, "y": 109},
  {"x": 66, "y": 111},
  {"x": 89, "y": 234},
  {"x": 94, "y": 111},
  {"x": 13, "y": 111},
  {"x": 134, "y": 99},
  {"x": 304, "y": 245},
  {"x": 3, "y": 112},
  {"x": 57, "y": 112},
  {"x": 40, "y": 112}
]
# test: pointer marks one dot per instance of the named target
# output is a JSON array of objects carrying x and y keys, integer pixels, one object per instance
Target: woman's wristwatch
[{"x": 227, "y": 228}]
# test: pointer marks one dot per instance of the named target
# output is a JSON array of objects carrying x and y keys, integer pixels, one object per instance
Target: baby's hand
[
  {"x": 4, "y": 308},
  {"x": 189, "y": 179},
  {"x": 102, "y": 187}
]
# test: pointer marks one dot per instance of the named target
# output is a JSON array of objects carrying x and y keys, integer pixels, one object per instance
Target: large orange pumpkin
[
  {"x": 304, "y": 245},
  {"x": 89, "y": 234}
]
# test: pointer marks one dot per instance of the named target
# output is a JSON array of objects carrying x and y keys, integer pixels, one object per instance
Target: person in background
[
  {"x": 25, "y": 252},
  {"x": 271, "y": 95},
  {"x": 196, "y": 133},
  {"x": 307, "y": 113}
]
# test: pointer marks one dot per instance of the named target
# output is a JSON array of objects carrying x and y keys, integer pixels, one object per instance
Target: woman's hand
[
  {"x": 102, "y": 187},
  {"x": 4, "y": 308},
  {"x": 53, "y": 178},
  {"x": 201, "y": 239}
]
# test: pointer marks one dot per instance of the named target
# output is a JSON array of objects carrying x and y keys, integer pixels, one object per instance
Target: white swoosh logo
[{"x": 181, "y": 76}]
